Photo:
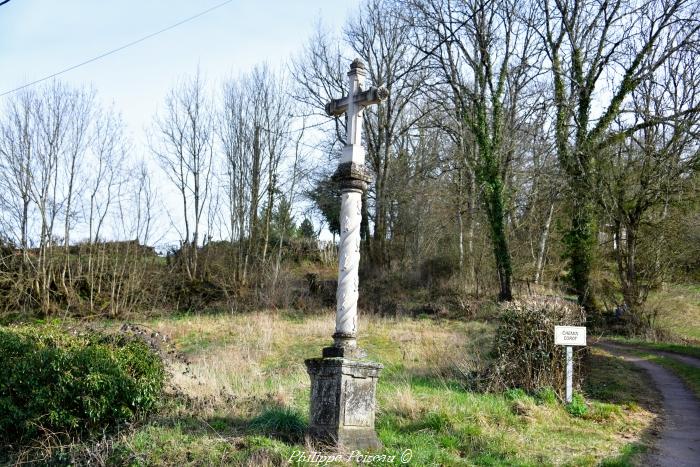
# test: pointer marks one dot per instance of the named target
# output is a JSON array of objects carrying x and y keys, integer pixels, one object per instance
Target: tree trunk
[
  {"x": 471, "y": 210},
  {"x": 501, "y": 252},
  {"x": 580, "y": 244},
  {"x": 254, "y": 193},
  {"x": 542, "y": 247}
]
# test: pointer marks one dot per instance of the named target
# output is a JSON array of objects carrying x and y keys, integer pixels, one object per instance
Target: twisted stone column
[
  {"x": 348, "y": 266},
  {"x": 353, "y": 181}
]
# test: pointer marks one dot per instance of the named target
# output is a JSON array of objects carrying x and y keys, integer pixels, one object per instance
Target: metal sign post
[
  {"x": 569, "y": 373},
  {"x": 569, "y": 336}
]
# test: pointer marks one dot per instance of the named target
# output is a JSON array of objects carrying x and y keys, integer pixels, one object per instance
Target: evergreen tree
[{"x": 306, "y": 229}]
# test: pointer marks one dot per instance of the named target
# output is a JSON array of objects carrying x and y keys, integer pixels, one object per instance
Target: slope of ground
[{"x": 678, "y": 310}]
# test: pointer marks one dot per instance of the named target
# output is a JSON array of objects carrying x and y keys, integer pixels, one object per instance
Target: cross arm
[{"x": 373, "y": 95}]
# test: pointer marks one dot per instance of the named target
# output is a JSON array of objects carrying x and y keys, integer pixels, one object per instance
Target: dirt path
[
  {"x": 679, "y": 438},
  {"x": 687, "y": 359}
]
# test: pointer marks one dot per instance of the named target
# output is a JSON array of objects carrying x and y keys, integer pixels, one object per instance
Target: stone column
[
  {"x": 353, "y": 181},
  {"x": 343, "y": 383}
]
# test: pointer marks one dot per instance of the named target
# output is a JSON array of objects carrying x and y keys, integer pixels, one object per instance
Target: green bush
[
  {"x": 70, "y": 384},
  {"x": 547, "y": 396},
  {"x": 577, "y": 407}
]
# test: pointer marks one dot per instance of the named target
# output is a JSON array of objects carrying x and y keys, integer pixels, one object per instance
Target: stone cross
[
  {"x": 343, "y": 382},
  {"x": 353, "y": 181}
]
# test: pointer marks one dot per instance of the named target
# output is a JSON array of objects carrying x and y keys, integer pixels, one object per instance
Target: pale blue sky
[{"x": 40, "y": 37}]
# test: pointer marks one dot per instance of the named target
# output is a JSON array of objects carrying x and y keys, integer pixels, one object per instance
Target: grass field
[
  {"x": 243, "y": 399},
  {"x": 691, "y": 350},
  {"x": 679, "y": 310}
]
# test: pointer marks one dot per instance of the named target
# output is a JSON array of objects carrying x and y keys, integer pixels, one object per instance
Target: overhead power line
[{"x": 137, "y": 41}]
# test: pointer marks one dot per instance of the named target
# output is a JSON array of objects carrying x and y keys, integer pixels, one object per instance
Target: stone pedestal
[{"x": 342, "y": 402}]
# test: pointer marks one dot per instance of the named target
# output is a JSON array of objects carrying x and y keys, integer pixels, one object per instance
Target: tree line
[{"x": 529, "y": 142}]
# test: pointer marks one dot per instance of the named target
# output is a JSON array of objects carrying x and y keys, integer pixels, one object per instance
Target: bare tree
[
  {"x": 42, "y": 147},
  {"x": 108, "y": 151},
  {"x": 254, "y": 132},
  {"x": 78, "y": 120},
  {"x": 16, "y": 156},
  {"x": 599, "y": 54},
  {"x": 106, "y": 173},
  {"x": 484, "y": 53},
  {"x": 183, "y": 144}
]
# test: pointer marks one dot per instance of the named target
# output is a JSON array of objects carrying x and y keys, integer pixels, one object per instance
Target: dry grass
[
  {"x": 249, "y": 367},
  {"x": 259, "y": 356},
  {"x": 679, "y": 310}
]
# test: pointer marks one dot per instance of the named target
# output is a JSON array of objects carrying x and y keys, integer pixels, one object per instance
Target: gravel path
[{"x": 679, "y": 438}]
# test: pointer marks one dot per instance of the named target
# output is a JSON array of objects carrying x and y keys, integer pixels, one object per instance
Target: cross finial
[{"x": 353, "y": 105}]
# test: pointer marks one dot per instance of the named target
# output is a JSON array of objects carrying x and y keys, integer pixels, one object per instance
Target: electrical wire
[{"x": 172, "y": 26}]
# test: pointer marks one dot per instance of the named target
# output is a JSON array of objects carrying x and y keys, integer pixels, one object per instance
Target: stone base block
[
  {"x": 343, "y": 402},
  {"x": 350, "y": 353}
]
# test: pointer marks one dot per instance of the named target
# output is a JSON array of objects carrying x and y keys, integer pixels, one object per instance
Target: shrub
[
  {"x": 524, "y": 350},
  {"x": 547, "y": 396},
  {"x": 577, "y": 407},
  {"x": 70, "y": 384}
]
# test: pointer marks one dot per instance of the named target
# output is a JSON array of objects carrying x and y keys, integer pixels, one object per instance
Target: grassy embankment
[
  {"x": 245, "y": 398},
  {"x": 681, "y": 349},
  {"x": 679, "y": 311},
  {"x": 679, "y": 317}
]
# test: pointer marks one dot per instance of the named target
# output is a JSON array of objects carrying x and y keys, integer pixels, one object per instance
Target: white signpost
[{"x": 569, "y": 336}]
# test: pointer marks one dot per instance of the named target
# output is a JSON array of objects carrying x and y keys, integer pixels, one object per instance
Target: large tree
[
  {"x": 599, "y": 54},
  {"x": 648, "y": 173},
  {"x": 484, "y": 50}
]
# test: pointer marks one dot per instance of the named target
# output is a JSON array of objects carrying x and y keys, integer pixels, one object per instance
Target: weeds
[
  {"x": 577, "y": 407},
  {"x": 245, "y": 398}
]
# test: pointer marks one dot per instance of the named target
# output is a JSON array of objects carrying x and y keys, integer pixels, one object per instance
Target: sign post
[{"x": 569, "y": 336}]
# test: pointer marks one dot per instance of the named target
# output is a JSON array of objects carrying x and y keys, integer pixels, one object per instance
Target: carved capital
[
  {"x": 352, "y": 176},
  {"x": 357, "y": 63}
]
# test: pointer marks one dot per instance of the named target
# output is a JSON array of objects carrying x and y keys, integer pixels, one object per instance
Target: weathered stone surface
[
  {"x": 342, "y": 402},
  {"x": 338, "y": 107},
  {"x": 352, "y": 176},
  {"x": 348, "y": 265},
  {"x": 343, "y": 385},
  {"x": 345, "y": 351}
]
